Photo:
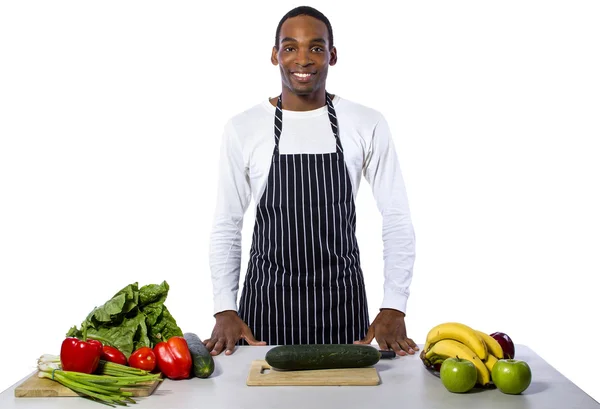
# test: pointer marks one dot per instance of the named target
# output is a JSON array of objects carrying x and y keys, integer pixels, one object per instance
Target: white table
[{"x": 405, "y": 383}]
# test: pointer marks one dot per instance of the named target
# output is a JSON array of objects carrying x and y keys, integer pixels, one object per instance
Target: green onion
[
  {"x": 111, "y": 368},
  {"x": 107, "y": 386}
]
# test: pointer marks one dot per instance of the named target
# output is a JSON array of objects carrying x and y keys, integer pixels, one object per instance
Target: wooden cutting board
[
  {"x": 35, "y": 387},
  {"x": 261, "y": 374}
]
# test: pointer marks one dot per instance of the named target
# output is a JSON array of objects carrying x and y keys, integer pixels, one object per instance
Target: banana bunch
[{"x": 453, "y": 339}]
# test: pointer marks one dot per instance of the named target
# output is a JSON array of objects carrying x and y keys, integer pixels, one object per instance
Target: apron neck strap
[{"x": 332, "y": 120}]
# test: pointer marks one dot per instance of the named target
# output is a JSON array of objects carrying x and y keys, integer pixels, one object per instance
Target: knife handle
[{"x": 387, "y": 354}]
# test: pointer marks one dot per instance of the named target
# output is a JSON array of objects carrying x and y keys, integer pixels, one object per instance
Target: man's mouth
[{"x": 303, "y": 76}]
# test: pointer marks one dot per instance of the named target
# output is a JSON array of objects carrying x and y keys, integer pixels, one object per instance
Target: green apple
[
  {"x": 511, "y": 376},
  {"x": 458, "y": 375}
]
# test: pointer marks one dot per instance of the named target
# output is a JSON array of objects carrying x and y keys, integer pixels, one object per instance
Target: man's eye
[
  {"x": 288, "y": 49},
  {"x": 318, "y": 49}
]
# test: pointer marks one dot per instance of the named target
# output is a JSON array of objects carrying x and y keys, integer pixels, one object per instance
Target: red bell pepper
[
  {"x": 173, "y": 358},
  {"x": 80, "y": 356}
]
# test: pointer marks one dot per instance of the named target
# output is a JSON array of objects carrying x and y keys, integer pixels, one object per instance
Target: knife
[{"x": 387, "y": 354}]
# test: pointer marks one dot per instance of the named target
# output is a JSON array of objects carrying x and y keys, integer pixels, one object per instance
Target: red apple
[{"x": 506, "y": 343}]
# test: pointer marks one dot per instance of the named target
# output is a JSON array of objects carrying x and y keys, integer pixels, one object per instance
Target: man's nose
[{"x": 303, "y": 58}]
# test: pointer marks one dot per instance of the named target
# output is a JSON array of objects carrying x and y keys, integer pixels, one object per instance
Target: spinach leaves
[{"x": 131, "y": 319}]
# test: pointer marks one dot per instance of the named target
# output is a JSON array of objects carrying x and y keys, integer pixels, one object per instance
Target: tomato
[
  {"x": 143, "y": 358},
  {"x": 112, "y": 354}
]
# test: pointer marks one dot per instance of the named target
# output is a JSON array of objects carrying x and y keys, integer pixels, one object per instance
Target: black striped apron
[{"x": 304, "y": 283}]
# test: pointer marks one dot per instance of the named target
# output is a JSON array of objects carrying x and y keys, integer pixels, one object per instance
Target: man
[{"x": 301, "y": 156}]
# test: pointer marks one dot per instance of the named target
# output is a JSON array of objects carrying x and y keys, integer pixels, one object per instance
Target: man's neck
[{"x": 293, "y": 102}]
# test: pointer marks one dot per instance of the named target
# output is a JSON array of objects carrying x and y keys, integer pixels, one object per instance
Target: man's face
[{"x": 304, "y": 54}]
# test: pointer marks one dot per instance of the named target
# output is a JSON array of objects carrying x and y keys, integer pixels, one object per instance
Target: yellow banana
[
  {"x": 449, "y": 348},
  {"x": 493, "y": 346},
  {"x": 490, "y": 362},
  {"x": 487, "y": 353},
  {"x": 458, "y": 332}
]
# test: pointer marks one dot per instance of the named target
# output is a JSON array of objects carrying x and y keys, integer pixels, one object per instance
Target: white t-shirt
[{"x": 245, "y": 159}]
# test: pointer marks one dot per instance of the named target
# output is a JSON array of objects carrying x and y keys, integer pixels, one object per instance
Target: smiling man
[{"x": 301, "y": 156}]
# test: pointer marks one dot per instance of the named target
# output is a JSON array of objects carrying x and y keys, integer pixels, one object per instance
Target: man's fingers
[
  {"x": 412, "y": 344},
  {"x": 397, "y": 349},
  {"x": 218, "y": 348},
  {"x": 230, "y": 346},
  {"x": 380, "y": 339},
  {"x": 383, "y": 345},
  {"x": 404, "y": 344},
  {"x": 210, "y": 343}
]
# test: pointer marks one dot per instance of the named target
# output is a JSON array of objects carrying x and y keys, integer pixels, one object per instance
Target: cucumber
[
  {"x": 203, "y": 364},
  {"x": 322, "y": 356}
]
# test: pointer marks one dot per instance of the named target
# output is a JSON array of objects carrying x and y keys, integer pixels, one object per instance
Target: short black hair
[{"x": 305, "y": 11}]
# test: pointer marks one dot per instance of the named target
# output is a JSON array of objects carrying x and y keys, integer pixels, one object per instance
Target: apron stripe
[
  {"x": 272, "y": 299},
  {"x": 281, "y": 303},
  {"x": 321, "y": 296},
  {"x": 303, "y": 302},
  {"x": 314, "y": 261}
]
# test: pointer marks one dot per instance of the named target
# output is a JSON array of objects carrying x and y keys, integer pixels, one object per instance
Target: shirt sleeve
[
  {"x": 233, "y": 196},
  {"x": 382, "y": 171}
]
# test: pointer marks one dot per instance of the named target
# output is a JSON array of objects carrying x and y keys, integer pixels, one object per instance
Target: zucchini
[
  {"x": 203, "y": 364},
  {"x": 322, "y": 356}
]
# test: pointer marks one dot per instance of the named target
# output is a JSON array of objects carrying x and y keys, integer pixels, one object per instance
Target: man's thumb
[
  {"x": 367, "y": 339},
  {"x": 250, "y": 338}
]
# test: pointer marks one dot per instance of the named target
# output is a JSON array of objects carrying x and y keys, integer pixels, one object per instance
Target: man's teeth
[{"x": 297, "y": 74}]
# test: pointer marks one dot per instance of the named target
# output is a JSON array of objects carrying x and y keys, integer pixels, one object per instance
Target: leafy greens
[{"x": 131, "y": 319}]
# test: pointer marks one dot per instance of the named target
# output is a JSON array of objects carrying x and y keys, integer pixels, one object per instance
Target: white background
[{"x": 111, "y": 115}]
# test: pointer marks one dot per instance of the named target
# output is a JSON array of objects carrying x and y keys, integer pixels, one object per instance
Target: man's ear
[
  {"x": 332, "y": 56},
  {"x": 274, "y": 60}
]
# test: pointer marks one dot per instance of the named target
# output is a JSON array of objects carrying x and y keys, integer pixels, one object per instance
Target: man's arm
[
  {"x": 383, "y": 173},
  {"x": 233, "y": 197}
]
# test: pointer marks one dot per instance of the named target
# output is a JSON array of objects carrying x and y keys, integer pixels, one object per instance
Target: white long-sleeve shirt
[{"x": 245, "y": 159}]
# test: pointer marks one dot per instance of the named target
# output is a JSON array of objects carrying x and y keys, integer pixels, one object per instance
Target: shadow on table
[
  {"x": 478, "y": 389},
  {"x": 535, "y": 387},
  {"x": 382, "y": 366},
  {"x": 162, "y": 392},
  {"x": 217, "y": 371}
]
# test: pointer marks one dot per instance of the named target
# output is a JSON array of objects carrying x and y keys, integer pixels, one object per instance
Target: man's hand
[
  {"x": 390, "y": 332},
  {"x": 228, "y": 330}
]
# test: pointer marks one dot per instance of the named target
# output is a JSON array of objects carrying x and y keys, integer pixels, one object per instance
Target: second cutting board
[{"x": 261, "y": 374}]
